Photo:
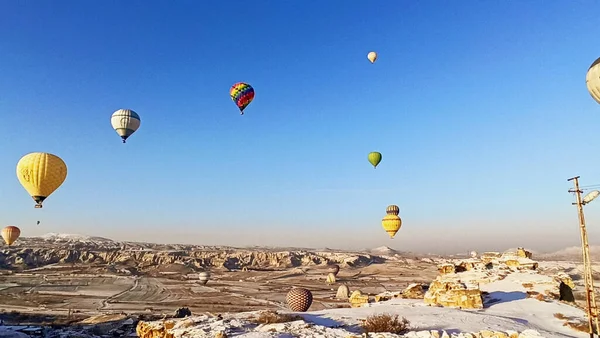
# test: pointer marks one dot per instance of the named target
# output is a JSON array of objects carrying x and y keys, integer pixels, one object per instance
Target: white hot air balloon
[
  {"x": 204, "y": 276},
  {"x": 592, "y": 80},
  {"x": 372, "y": 56},
  {"x": 125, "y": 122}
]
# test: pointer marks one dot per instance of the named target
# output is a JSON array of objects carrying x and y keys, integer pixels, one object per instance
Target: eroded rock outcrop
[
  {"x": 206, "y": 327},
  {"x": 357, "y": 299},
  {"x": 517, "y": 260},
  {"x": 414, "y": 291},
  {"x": 193, "y": 260},
  {"x": 453, "y": 293}
]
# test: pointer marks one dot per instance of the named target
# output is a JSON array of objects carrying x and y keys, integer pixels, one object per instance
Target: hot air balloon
[
  {"x": 343, "y": 292},
  {"x": 330, "y": 278},
  {"x": 372, "y": 56},
  {"x": 299, "y": 299},
  {"x": 391, "y": 224},
  {"x": 334, "y": 269},
  {"x": 374, "y": 158},
  {"x": 10, "y": 234},
  {"x": 204, "y": 276},
  {"x": 242, "y": 94},
  {"x": 41, "y": 174},
  {"x": 125, "y": 122},
  {"x": 392, "y": 210},
  {"x": 592, "y": 80}
]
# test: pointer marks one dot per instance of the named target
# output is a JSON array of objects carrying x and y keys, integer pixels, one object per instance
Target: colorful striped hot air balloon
[
  {"x": 299, "y": 299},
  {"x": 242, "y": 94},
  {"x": 392, "y": 210},
  {"x": 41, "y": 174}
]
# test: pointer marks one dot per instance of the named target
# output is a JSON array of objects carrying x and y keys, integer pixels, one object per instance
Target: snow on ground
[
  {"x": 570, "y": 254},
  {"x": 51, "y": 236},
  {"x": 517, "y": 315},
  {"x": 511, "y": 311}
]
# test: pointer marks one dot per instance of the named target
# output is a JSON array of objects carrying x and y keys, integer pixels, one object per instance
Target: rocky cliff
[{"x": 140, "y": 258}]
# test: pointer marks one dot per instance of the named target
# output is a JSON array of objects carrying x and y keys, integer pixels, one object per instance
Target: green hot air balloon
[{"x": 374, "y": 158}]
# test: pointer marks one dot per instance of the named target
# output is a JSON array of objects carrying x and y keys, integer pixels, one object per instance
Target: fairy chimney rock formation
[{"x": 452, "y": 293}]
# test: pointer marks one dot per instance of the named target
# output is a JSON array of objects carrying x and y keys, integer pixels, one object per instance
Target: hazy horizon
[
  {"x": 558, "y": 242},
  {"x": 476, "y": 108}
]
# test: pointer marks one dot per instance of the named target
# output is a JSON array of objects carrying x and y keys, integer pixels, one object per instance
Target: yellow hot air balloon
[
  {"x": 41, "y": 174},
  {"x": 391, "y": 224},
  {"x": 10, "y": 234},
  {"x": 372, "y": 56}
]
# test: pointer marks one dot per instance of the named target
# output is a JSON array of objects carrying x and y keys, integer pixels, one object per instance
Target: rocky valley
[{"x": 91, "y": 283}]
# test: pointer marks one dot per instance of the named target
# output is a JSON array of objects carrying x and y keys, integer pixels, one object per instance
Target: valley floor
[{"x": 59, "y": 289}]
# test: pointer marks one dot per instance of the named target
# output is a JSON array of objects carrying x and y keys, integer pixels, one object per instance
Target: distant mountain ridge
[
  {"x": 79, "y": 241},
  {"x": 572, "y": 253},
  {"x": 52, "y": 236},
  {"x": 105, "y": 255}
]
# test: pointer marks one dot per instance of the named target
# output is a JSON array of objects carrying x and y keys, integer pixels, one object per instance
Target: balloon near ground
[
  {"x": 374, "y": 158},
  {"x": 204, "y": 276},
  {"x": 10, "y": 234},
  {"x": 125, "y": 122},
  {"x": 334, "y": 269},
  {"x": 242, "y": 94},
  {"x": 592, "y": 80},
  {"x": 372, "y": 56},
  {"x": 41, "y": 174},
  {"x": 299, "y": 299}
]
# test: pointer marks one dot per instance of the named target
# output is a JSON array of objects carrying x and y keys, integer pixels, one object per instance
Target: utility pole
[{"x": 592, "y": 309}]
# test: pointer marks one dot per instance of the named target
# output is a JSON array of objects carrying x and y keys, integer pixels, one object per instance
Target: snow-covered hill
[
  {"x": 570, "y": 254},
  {"x": 509, "y": 311},
  {"x": 384, "y": 250},
  {"x": 74, "y": 238}
]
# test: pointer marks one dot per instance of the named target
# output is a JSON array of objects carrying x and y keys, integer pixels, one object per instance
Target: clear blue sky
[{"x": 479, "y": 108}]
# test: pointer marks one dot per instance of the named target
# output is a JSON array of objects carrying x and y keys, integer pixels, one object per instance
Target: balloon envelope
[
  {"x": 204, "y": 276},
  {"x": 41, "y": 174},
  {"x": 125, "y": 122},
  {"x": 10, "y": 234},
  {"x": 372, "y": 56},
  {"x": 592, "y": 80},
  {"x": 374, "y": 158},
  {"x": 299, "y": 299},
  {"x": 242, "y": 94},
  {"x": 391, "y": 224},
  {"x": 392, "y": 210}
]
